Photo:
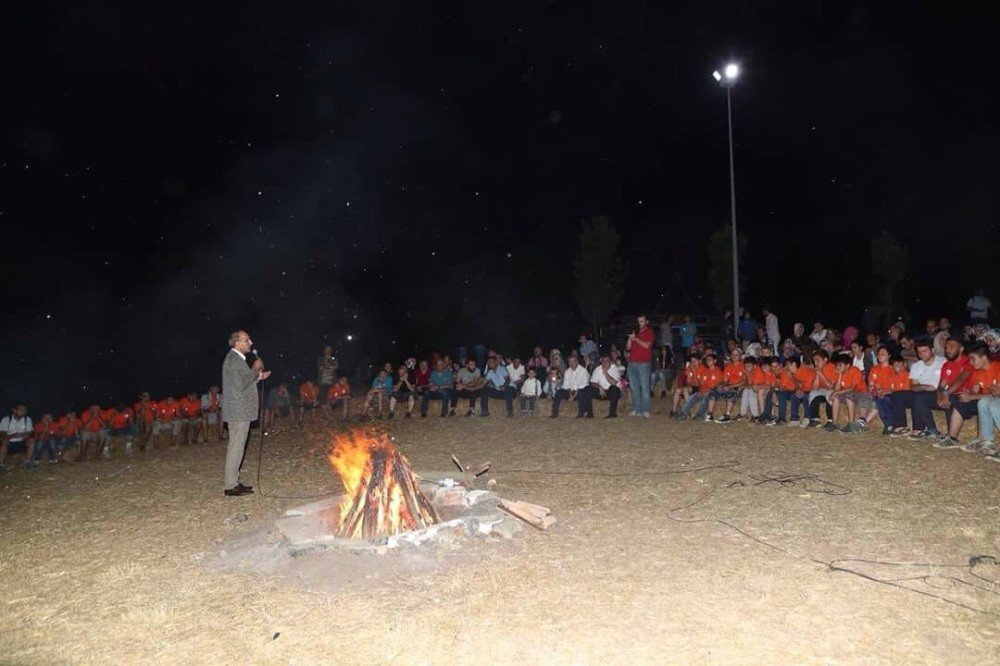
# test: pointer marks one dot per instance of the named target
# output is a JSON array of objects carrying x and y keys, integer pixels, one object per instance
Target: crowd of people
[{"x": 836, "y": 381}]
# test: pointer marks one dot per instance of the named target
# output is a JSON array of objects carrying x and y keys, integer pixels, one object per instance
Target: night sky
[{"x": 415, "y": 175}]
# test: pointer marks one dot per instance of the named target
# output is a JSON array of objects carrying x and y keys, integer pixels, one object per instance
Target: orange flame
[{"x": 381, "y": 495}]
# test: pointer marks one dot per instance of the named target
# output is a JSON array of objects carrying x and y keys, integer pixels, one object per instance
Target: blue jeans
[
  {"x": 884, "y": 406},
  {"x": 638, "y": 381},
  {"x": 444, "y": 395},
  {"x": 989, "y": 417},
  {"x": 50, "y": 444},
  {"x": 697, "y": 399},
  {"x": 784, "y": 397}
]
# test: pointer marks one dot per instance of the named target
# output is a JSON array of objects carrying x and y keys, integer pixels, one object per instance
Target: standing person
[
  {"x": 979, "y": 307},
  {"x": 688, "y": 331},
  {"x": 326, "y": 370},
  {"x": 240, "y": 406},
  {"x": 588, "y": 351},
  {"x": 663, "y": 365},
  {"x": 747, "y": 331},
  {"x": 667, "y": 335},
  {"x": 640, "y": 362},
  {"x": 771, "y": 328}
]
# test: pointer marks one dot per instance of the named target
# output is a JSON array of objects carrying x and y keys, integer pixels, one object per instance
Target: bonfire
[{"x": 381, "y": 493}]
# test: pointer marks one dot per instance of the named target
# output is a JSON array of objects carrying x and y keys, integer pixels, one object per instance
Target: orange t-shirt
[
  {"x": 92, "y": 422},
  {"x": 853, "y": 380},
  {"x": 338, "y": 391},
  {"x": 691, "y": 373},
  {"x": 146, "y": 413},
  {"x": 982, "y": 379},
  {"x": 709, "y": 378},
  {"x": 881, "y": 376},
  {"x": 108, "y": 414},
  {"x": 190, "y": 408},
  {"x": 761, "y": 377},
  {"x": 167, "y": 411},
  {"x": 829, "y": 373},
  {"x": 70, "y": 426},
  {"x": 43, "y": 429},
  {"x": 121, "y": 419},
  {"x": 786, "y": 380},
  {"x": 308, "y": 393},
  {"x": 734, "y": 372},
  {"x": 901, "y": 381},
  {"x": 805, "y": 376}
]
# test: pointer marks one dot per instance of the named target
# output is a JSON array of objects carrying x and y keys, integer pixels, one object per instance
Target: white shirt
[
  {"x": 574, "y": 380},
  {"x": 516, "y": 374},
  {"x": 929, "y": 375},
  {"x": 818, "y": 336},
  {"x": 771, "y": 326},
  {"x": 978, "y": 306},
  {"x": 531, "y": 387},
  {"x": 858, "y": 362},
  {"x": 16, "y": 429},
  {"x": 597, "y": 377},
  {"x": 241, "y": 354}
]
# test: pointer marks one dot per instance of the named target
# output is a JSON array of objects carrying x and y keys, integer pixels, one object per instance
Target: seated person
[
  {"x": 853, "y": 391},
  {"x": 965, "y": 401},
  {"x": 575, "y": 379},
  {"x": 421, "y": 377},
  {"x": 145, "y": 416},
  {"x": 789, "y": 389},
  {"x": 986, "y": 384},
  {"x": 439, "y": 387},
  {"x": 168, "y": 422},
  {"x": 403, "y": 390},
  {"x": 708, "y": 377},
  {"x": 469, "y": 385},
  {"x": 308, "y": 401},
  {"x": 380, "y": 392},
  {"x": 69, "y": 430},
  {"x": 278, "y": 403},
  {"x": 122, "y": 426},
  {"x": 190, "y": 406},
  {"x": 824, "y": 377},
  {"x": 497, "y": 386},
  {"x": 881, "y": 378},
  {"x": 733, "y": 382},
  {"x": 604, "y": 385},
  {"x": 47, "y": 438},
  {"x": 93, "y": 433},
  {"x": 686, "y": 381},
  {"x": 553, "y": 382},
  {"x": 339, "y": 393},
  {"x": 517, "y": 373},
  {"x": 17, "y": 435},
  {"x": 531, "y": 389},
  {"x": 211, "y": 410}
]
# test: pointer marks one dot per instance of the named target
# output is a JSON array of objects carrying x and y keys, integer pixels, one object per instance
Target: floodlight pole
[{"x": 732, "y": 205}]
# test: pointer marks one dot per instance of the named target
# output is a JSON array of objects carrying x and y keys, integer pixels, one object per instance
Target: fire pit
[{"x": 385, "y": 505}]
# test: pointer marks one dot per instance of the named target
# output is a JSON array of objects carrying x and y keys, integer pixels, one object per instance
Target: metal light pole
[{"x": 728, "y": 80}]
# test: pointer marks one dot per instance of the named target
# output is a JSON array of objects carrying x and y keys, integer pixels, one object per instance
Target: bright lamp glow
[
  {"x": 716, "y": 75},
  {"x": 732, "y": 71}
]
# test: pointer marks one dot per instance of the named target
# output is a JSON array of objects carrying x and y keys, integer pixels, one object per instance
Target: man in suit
[{"x": 240, "y": 405}]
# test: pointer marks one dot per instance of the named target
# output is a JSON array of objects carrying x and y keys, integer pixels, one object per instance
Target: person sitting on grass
[
  {"x": 963, "y": 402},
  {"x": 402, "y": 390},
  {"x": 686, "y": 382},
  {"x": 439, "y": 387},
  {"x": 338, "y": 393},
  {"x": 733, "y": 383},
  {"x": 278, "y": 403},
  {"x": 47, "y": 439},
  {"x": 708, "y": 377},
  {"x": 985, "y": 384},
  {"x": 575, "y": 380},
  {"x": 604, "y": 385},
  {"x": 531, "y": 389},
  {"x": 380, "y": 392},
  {"x": 469, "y": 385},
  {"x": 17, "y": 435},
  {"x": 309, "y": 401}
]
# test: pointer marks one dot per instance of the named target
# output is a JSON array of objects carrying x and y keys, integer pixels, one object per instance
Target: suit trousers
[{"x": 239, "y": 431}]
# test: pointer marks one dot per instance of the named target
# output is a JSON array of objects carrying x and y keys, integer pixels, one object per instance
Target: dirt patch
[{"x": 675, "y": 543}]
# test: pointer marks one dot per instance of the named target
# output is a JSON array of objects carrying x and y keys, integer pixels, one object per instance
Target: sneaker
[
  {"x": 804, "y": 422},
  {"x": 830, "y": 427},
  {"x": 886, "y": 430},
  {"x": 813, "y": 423},
  {"x": 128, "y": 448},
  {"x": 708, "y": 418},
  {"x": 976, "y": 445},
  {"x": 633, "y": 413},
  {"x": 645, "y": 415},
  {"x": 901, "y": 431},
  {"x": 919, "y": 435},
  {"x": 723, "y": 419},
  {"x": 738, "y": 417},
  {"x": 847, "y": 429},
  {"x": 993, "y": 457},
  {"x": 106, "y": 453},
  {"x": 780, "y": 422},
  {"x": 946, "y": 443},
  {"x": 770, "y": 421},
  {"x": 989, "y": 448},
  {"x": 407, "y": 415}
]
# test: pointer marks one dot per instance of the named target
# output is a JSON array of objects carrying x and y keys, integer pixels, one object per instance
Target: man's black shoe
[
  {"x": 235, "y": 492},
  {"x": 246, "y": 489}
]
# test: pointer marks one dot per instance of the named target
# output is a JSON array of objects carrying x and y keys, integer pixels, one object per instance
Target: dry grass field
[{"x": 676, "y": 543}]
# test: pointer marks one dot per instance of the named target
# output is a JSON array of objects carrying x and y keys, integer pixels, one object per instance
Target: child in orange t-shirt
[
  {"x": 852, "y": 390},
  {"x": 708, "y": 377},
  {"x": 786, "y": 389},
  {"x": 733, "y": 382},
  {"x": 339, "y": 392},
  {"x": 824, "y": 377},
  {"x": 686, "y": 382}
]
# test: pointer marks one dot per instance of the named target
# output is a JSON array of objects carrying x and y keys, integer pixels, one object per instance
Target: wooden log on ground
[{"x": 517, "y": 510}]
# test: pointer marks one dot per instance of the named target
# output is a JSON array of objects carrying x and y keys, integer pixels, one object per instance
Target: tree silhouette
[
  {"x": 598, "y": 271},
  {"x": 890, "y": 262},
  {"x": 720, "y": 266}
]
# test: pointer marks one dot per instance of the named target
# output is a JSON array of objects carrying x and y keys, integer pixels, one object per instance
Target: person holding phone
[{"x": 639, "y": 348}]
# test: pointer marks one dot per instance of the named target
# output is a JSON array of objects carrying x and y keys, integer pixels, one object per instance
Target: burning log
[{"x": 381, "y": 496}]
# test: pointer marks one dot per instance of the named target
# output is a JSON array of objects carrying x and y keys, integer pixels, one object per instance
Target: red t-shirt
[
  {"x": 805, "y": 376},
  {"x": 70, "y": 426},
  {"x": 92, "y": 422},
  {"x": 337, "y": 391},
  {"x": 45, "y": 430},
  {"x": 952, "y": 369},
  {"x": 421, "y": 377},
  {"x": 308, "y": 393},
  {"x": 734, "y": 372},
  {"x": 786, "y": 381},
  {"x": 982, "y": 379},
  {"x": 829, "y": 372},
  {"x": 190, "y": 408},
  {"x": 638, "y": 353},
  {"x": 167, "y": 411},
  {"x": 881, "y": 377},
  {"x": 121, "y": 419},
  {"x": 146, "y": 412},
  {"x": 900, "y": 381}
]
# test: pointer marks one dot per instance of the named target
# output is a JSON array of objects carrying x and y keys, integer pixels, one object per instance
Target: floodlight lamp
[
  {"x": 732, "y": 71},
  {"x": 716, "y": 75}
]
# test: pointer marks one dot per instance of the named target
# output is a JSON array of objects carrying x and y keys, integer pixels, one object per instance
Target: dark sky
[{"x": 415, "y": 174}]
